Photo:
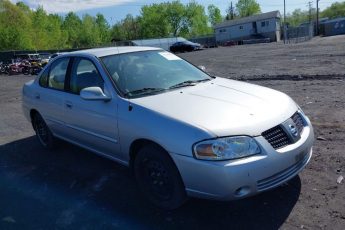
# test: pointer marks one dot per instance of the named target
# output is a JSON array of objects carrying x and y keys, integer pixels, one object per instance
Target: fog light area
[{"x": 242, "y": 191}]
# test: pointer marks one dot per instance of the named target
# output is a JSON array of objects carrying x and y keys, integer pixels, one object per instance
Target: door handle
[
  {"x": 69, "y": 104},
  {"x": 37, "y": 96}
]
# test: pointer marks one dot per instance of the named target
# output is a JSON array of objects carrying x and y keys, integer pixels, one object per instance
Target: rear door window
[
  {"x": 43, "y": 81},
  {"x": 58, "y": 73}
]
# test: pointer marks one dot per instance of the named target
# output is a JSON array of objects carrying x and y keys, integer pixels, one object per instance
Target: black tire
[
  {"x": 158, "y": 178},
  {"x": 43, "y": 133},
  {"x": 25, "y": 71}
]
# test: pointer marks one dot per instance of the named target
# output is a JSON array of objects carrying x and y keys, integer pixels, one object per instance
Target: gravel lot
[
  {"x": 317, "y": 58},
  {"x": 71, "y": 188}
]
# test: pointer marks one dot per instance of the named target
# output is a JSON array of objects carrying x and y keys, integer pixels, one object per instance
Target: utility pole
[
  {"x": 284, "y": 24},
  {"x": 231, "y": 12},
  {"x": 284, "y": 12},
  {"x": 317, "y": 17},
  {"x": 310, "y": 7}
]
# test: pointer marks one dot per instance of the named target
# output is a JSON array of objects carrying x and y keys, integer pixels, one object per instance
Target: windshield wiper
[
  {"x": 144, "y": 91},
  {"x": 188, "y": 83}
]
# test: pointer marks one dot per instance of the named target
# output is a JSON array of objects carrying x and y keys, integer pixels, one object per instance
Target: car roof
[{"x": 101, "y": 52}]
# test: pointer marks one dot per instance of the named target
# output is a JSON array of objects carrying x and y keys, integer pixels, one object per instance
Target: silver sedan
[{"x": 182, "y": 132}]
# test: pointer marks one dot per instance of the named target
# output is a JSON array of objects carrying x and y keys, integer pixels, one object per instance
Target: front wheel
[
  {"x": 43, "y": 133},
  {"x": 158, "y": 178}
]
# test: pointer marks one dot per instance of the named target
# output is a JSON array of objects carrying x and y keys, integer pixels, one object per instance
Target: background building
[{"x": 266, "y": 25}]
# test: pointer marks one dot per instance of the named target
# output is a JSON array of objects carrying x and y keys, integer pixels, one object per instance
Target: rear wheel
[
  {"x": 158, "y": 178},
  {"x": 43, "y": 133}
]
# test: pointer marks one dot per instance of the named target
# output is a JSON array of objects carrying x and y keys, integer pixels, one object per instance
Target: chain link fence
[
  {"x": 7, "y": 56},
  {"x": 163, "y": 43},
  {"x": 207, "y": 41},
  {"x": 299, "y": 34}
]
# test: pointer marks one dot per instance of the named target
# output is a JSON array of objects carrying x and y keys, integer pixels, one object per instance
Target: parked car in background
[
  {"x": 4, "y": 67},
  {"x": 26, "y": 64},
  {"x": 36, "y": 68},
  {"x": 182, "y": 132},
  {"x": 45, "y": 57},
  {"x": 184, "y": 46},
  {"x": 17, "y": 67},
  {"x": 26, "y": 67}
]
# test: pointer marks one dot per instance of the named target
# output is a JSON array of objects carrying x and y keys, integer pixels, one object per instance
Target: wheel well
[
  {"x": 136, "y": 146},
  {"x": 33, "y": 112}
]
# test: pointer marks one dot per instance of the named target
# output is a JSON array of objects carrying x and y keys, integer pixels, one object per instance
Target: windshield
[{"x": 149, "y": 72}]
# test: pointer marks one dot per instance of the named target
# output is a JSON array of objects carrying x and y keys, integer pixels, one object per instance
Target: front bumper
[{"x": 236, "y": 179}]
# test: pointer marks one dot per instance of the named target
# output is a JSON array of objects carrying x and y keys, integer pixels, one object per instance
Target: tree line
[
  {"x": 164, "y": 20},
  {"x": 22, "y": 28}
]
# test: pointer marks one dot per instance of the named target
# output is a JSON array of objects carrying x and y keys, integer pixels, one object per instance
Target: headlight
[
  {"x": 227, "y": 148},
  {"x": 300, "y": 110}
]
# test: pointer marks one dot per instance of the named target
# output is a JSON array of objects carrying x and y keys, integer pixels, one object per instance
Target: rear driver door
[{"x": 50, "y": 95}]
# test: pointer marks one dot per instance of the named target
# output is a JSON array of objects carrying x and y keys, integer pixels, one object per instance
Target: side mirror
[
  {"x": 203, "y": 68},
  {"x": 94, "y": 94}
]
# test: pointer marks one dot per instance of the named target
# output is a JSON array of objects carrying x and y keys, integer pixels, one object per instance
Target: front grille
[
  {"x": 298, "y": 120},
  {"x": 277, "y": 137}
]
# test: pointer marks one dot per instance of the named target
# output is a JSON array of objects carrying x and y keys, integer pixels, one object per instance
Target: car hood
[{"x": 224, "y": 107}]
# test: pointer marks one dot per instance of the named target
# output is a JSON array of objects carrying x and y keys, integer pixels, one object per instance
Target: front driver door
[{"x": 92, "y": 124}]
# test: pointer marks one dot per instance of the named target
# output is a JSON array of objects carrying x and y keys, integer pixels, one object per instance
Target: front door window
[{"x": 84, "y": 75}]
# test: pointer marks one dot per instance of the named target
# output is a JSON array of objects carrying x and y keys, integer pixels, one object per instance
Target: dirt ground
[
  {"x": 318, "y": 57},
  {"x": 71, "y": 188}
]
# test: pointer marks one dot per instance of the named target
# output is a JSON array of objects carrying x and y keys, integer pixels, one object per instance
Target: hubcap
[
  {"x": 42, "y": 131},
  {"x": 158, "y": 179}
]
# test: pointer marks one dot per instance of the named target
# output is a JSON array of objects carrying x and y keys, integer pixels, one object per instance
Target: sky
[{"x": 115, "y": 10}]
